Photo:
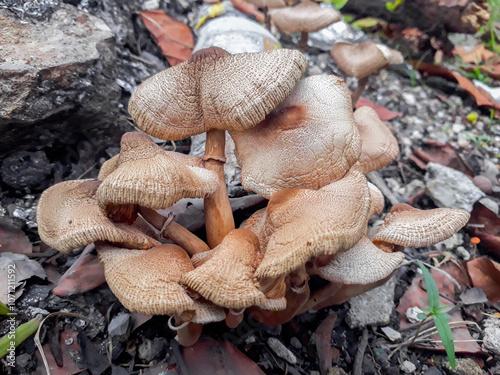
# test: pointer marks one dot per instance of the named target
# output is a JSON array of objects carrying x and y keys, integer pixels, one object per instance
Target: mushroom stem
[
  {"x": 273, "y": 287},
  {"x": 219, "y": 219},
  {"x": 319, "y": 296},
  {"x": 187, "y": 333},
  {"x": 174, "y": 231},
  {"x": 359, "y": 90},
  {"x": 304, "y": 37},
  {"x": 234, "y": 317}
]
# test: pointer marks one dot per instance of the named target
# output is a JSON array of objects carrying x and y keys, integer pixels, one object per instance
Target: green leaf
[
  {"x": 427, "y": 309},
  {"x": 444, "y": 331},
  {"x": 339, "y": 4},
  {"x": 432, "y": 290},
  {"x": 441, "y": 308},
  {"x": 445, "y": 315},
  {"x": 365, "y": 23},
  {"x": 4, "y": 309},
  {"x": 14, "y": 338},
  {"x": 421, "y": 316}
]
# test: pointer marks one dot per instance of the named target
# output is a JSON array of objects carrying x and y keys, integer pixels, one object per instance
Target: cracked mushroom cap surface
[
  {"x": 227, "y": 278},
  {"x": 306, "y": 17},
  {"x": 68, "y": 217},
  {"x": 405, "y": 225},
  {"x": 302, "y": 223},
  {"x": 318, "y": 113},
  {"x": 267, "y": 3},
  {"x": 215, "y": 90},
  {"x": 378, "y": 200},
  {"x": 148, "y": 176},
  {"x": 362, "y": 59},
  {"x": 148, "y": 282},
  {"x": 379, "y": 147},
  {"x": 364, "y": 263}
]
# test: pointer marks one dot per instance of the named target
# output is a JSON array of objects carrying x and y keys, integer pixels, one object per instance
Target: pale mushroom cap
[
  {"x": 148, "y": 176},
  {"x": 147, "y": 282},
  {"x": 318, "y": 113},
  {"x": 68, "y": 217},
  {"x": 377, "y": 199},
  {"x": 274, "y": 304},
  {"x": 379, "y": 147},
  {"x": 108, "y": 167},
  {"x": 267, "y": 3},
  {"x": 408, "y": 226},
  {"x": 304, "y": 17},
  {"x": 207, "y": 312},
  {"x": 301, "y": 224},
  {"x": 226, "y": 278},
  {"x": 362, "y": 264},
  {"x": 255, "y": 223},
  {"x": 360, "y": 60},
  {"x": 215, "y": 90}
]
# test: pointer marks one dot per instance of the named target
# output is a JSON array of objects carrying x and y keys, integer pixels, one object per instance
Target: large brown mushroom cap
[
  {"x": 408, "y": 226},
  {"x": 148, "y": 176},
  {"x": 68, "y": 217},
  {"x": 147, "y": 282},
  {"x": 379, "y": 147},
  {"x": 108, "y": 167},
  {"x": 301, "y": 224},
  {"x": 377, "y": 200},
  {"x": 318, "y": 113},
  {"x": 362, "y": 264},
  {"x": 304, "y": 17},
  {"x": 267, "y": 3},
  {"x": 215, "y": 90},
  {"x": 226, "y": 278},
  {"x": 362, "y": 59}
]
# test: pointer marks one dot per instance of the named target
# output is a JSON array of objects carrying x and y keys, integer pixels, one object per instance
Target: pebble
[
  {"x": 408, "y": 367},
  {"x": 491, "y": 338},
  {"x": 462, "y": 252},
  {"x": 281, "y": 350},
  {"x": 150, "y": 350},
  {"x": 392, "y": 334},
  {"x": 119, "y": 325},
  {"x": 295, "y": 342},
  {"x": 409, "y": 98},
  {"x": 411, "y": 314},
  {"x": 489, "y": 204}
]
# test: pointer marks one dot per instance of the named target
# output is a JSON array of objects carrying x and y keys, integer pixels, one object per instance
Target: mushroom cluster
[{"x": 299, "y": 144}]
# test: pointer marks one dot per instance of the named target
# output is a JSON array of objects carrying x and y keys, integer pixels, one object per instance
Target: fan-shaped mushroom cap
[
  {"x": 379, "y": 147},
  {"x": 267, "y": 3},
  {"x": 304, "y": 223},
  {"x": 215, "y": 90},
  {"x": 318, "y": 113},
  {"x": 362, "y": 264},
  {"x": 226, "y": 278},
  {"x": 304, "y": 17},
  {"x": 68, "y": 217},
  {"x": 148, "y": 176},
  {"x": 362, "y": 59},
  {"x": 255, "y": 223},
  {"x": 147, "y": 282},
  {"x": 108, "y": 167},
  {"x": 408, "y": 226},
  {"x": 377, "y": 198}
]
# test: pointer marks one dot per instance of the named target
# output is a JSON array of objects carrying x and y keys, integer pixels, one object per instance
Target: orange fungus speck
[{"x": 475, "y": 240}]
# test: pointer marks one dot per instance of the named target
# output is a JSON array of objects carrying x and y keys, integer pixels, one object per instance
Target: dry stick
[
  {"x": 377, "y": 180},
  {"x": 219, "y": 219},
  {"x": 174, "y": 231},
  {"x": 358, "y": 360},
  {"x": 359, "y": 90}
]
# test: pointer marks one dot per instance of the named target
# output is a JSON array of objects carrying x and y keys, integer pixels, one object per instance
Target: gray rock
[
  {"x": 491, "y": 337},
  {"x": 150, "y": 350},
  {"x": 281, "y": 350},
  {"x": 392, "y": 334},
  {"x": 119, "y": 325},
  {"x": 451, "y": 188},
  {"x": 55, "y": 67},
  {"x": 408, "y": 367},
  {"x": 295, "y": 342},
  {"x": 373, "y": 307},
  {"x": 490, "y": 204},
  {"x": 26, "y": 171}
]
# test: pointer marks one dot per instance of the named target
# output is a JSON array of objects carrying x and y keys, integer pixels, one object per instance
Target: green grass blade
[
  {"x": 444, "y": 331},
  {"x": 4, "y": 309},
  {"x": 18, "y": 336},
  {"x": 432, "y": 290}
]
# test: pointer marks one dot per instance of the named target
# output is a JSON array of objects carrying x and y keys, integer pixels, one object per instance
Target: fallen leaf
[
  {"x": 13, "y": 240},
  {"x": 208, "y": 357},
  {"x": 174, "y": 37},
  {"x": 383, "y": 113},
  {"x": 322, "y": 340},
  {"x": 482, "y": 97},
  {"x": 85, "y": 274},
  {"x": 485, "y": 224},
  {"x": 68, "y": 345},
  {"x": 492, "y": 69},
  {"x": 21, "y": 268},
  {"x": 248, "y": 8},
  {"x": 475, "y": 55},
  {"x": 485, "y": 274}
]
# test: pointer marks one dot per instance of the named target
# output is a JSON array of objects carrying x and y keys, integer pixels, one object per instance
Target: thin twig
[{"x": 358, "y": 360}]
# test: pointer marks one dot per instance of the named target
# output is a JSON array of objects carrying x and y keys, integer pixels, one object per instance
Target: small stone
[
  {"x": 491, "y": 338},
  {"x": 150, "y": 350},
  {"x": 462, "y": 252},
  {"x": 23, "y": 360},
  {"x": 483, "y": 183},
  {"x": 315, "y": 70},
  {"x": 409, "y": 98},
  {"x": 281, "y": 350},
  {"x": 490, "y": 204},
  {"x": 451, "y": 188},
  {"x": 119, "y": 325},
  {"x": 373, "y": 307},
  {"x": 433, "y": 371},
  {"x": 392, "y": 334},
  {"x": 412, "y": 313},
  {"x": 26, "y": 171},
  {"x": 295, "y": 342},
  {"x": 458, "y": 128},
  {"x": 408, "y": 367},
  {"x": 451, "y": 243},
  {"x": 250, "y": 339}
]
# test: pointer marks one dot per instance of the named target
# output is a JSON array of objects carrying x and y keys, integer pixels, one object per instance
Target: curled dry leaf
[
  {"x": 383, "y": 113},
  {"x": 486, "y": 226},
  {"x": 475, "y": 55},
  {"x": 174, "y": 37},
  {"x": 485, "y": 274}
]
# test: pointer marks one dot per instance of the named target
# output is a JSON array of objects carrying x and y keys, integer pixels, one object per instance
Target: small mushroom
[
  {"x": 408, "y": 226},
  {"x": 265, "y": 5},
  {"x": 318, "y": 113},
  {"x": 379, "y": 147},
  {"x": 304, "y": 18},
  {"x": 362, "y": 59},
  {"x": 215, "y": 91},
  {"x": 68, "y": 217}
]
